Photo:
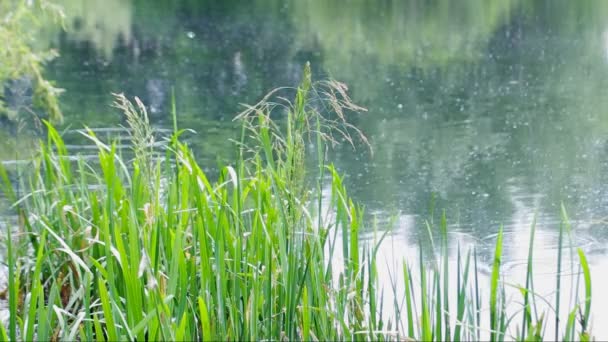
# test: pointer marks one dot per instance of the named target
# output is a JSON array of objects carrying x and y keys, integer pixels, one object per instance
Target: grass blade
[{"x": 495, "y": 314}]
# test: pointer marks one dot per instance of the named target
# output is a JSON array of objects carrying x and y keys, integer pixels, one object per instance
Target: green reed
[
  {"x": 435, "y": 320},
  {"x": 150, "y": 248}
]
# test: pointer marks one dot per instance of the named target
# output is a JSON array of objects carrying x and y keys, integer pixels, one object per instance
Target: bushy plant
[{"x": 20, "y": 62}]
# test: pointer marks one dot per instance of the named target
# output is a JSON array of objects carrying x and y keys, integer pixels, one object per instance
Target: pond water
[{"x": 495, "y": 111}]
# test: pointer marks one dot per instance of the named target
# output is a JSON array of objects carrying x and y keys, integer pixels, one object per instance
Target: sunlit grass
[{"x": 149, "y": 248}]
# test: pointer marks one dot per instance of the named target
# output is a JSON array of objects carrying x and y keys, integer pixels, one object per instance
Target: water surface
[{"x": 495, "y": 112}]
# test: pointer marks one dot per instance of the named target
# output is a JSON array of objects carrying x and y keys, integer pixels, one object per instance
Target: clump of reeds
[
  {"x": 152, "y": 249},
  {"x": 442, "y": 306}
]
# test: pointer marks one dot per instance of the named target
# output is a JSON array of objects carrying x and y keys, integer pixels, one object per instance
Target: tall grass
[{"x": 150, "y": 248}]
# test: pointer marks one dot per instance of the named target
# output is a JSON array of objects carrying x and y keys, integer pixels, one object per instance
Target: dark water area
[{"x": 494, "y": 111}]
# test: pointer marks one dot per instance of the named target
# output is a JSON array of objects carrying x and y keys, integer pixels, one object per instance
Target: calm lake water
[{"x": 494, "y": 111}]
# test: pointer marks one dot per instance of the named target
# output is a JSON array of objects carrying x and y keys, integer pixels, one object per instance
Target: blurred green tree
[{"x": 21, "y": 65}]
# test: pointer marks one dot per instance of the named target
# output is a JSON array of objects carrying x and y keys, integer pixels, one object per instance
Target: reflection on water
[
  {"x": 497, "y": 109},
  {"x": 101, "y": 24}
]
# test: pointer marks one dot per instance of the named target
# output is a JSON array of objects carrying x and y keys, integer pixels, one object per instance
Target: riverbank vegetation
[
  {"x": 21, "y": 65},
  {"x": 142, "y": 245}
]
